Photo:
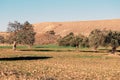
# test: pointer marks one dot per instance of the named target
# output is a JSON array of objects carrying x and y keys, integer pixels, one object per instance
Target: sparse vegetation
[
  {"x": 65, "y": 50},
  {"x": 71, "y": 59},
  {"x": 58, "y": 65}
]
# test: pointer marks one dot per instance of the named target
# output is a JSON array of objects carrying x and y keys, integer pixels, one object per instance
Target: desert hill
[
  {"x": 63, "y": 28},
  {"x": 45, "y": 38},
  {"x": 78, "y": 27},
  {"x": 4, "y": 34}
]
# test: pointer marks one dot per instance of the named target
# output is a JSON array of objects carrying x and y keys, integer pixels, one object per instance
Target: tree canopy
[
  {"x": 113, "y": 39},
  {"x": 96, "y": 38},
  {"x": 21, "y": 33}
]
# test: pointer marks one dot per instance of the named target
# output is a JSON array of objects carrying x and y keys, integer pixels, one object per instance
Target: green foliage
[
  {"x": 10, "y": 47},
  {"x": 24, "y": 34},
  {"x": 96, "y": 38},
  {"x": 13, "y": 29},
  {"x": 5, "y": 47},
  {"x": 27, "y": 34},
  {"x": 66, "y": 41},
  {"x": 85, "y": 42},
  {"x": 74, "y": 41},
  {"x": 113, "y": 39},
  {"x": 21, "y": 33}
]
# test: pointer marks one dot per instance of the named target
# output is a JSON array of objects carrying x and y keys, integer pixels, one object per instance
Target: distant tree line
[
  {"x": 73, "y": 40},
  {"x": 95, "y": 39},
  {"x": 24, "y": 34}
]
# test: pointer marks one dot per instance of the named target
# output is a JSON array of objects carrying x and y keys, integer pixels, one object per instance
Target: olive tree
[
  {"x": 96, "y": 38},
  {"x": 85, "y": 42},
  {"x": 66, "y": 40},
  {"x": 21, "y": 33},
  {"x": 27, "y": 35},
  {"x": 113, "y": 39},
  {"x": 14, "y": 29},
  {"x": 71, "y": 40},
  {"x": 75, "y": 41}
]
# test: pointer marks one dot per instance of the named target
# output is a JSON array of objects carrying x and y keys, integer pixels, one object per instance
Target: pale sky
[{"x": 36, "y": 11}]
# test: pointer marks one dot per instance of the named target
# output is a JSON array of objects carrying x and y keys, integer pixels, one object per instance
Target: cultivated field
[{"x": 63, "y": 64}]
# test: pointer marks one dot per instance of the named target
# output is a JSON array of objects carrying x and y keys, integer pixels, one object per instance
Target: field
[{"x": 57, "y": 63}]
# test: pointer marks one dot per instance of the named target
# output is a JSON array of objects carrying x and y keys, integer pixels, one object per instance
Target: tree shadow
[
  {"x": 108, "y": 50},
  {"x": 25, "y": 58},
  {"x": 57, "y": 50},
  {"x": 92, "y": 51},
  {"x": 52, "y": 50},
  {"x": 46, "y": 50},
  {"x": 118, "y": 50},
  {"x": 118, "y": 54},
  {"x": 89, "y": 51}
]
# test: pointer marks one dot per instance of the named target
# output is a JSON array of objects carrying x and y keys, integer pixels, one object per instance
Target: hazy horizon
[{"x": 36, "y": 11}]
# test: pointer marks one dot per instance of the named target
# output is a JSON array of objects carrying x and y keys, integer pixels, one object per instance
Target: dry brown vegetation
[
  {"x": 38, "y": 65},
  {"x": 45, "y": 38},
  {"x": 5, "y": 34}
]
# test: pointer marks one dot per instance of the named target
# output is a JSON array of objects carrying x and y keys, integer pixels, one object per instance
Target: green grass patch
[
  {"x": 10, "y": 47},
  {"x": 5, "y": 47},
  {"x": 22, "y": 47}
]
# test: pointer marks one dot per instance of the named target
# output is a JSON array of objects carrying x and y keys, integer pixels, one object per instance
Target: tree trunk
[
  {"x": 95, "y": 48},
  {"x": 14, "y": 45},
  {"x": 77, "y": 47},
  {"x": 113, "y": 50}
]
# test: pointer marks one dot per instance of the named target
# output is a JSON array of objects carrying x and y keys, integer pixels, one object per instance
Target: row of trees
[
  {"x": 24, "y": 34},
  {"x": 95, "y": 39},
  {"x": 73, "y": 40}
]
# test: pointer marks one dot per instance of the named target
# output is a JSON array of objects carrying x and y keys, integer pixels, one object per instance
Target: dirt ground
[{"x": 38, "y": 65}]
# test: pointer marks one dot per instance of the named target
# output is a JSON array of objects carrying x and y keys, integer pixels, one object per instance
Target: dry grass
[{"x": 58, "y": 66}]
